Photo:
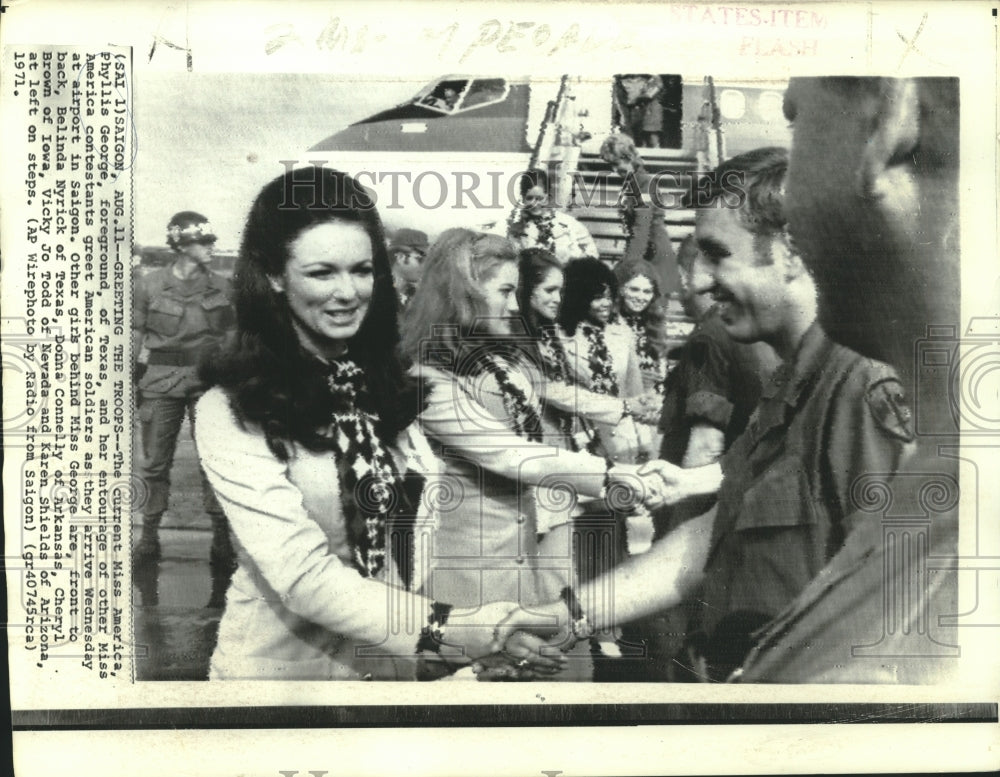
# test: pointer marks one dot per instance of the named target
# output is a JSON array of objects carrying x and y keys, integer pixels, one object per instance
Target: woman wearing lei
[
  {"x": 567, "y": 418},
  {"x": 304, "y": 436},
  {"x": 484, "y": 419},
  {"x": 602, "y": 352},
  {"x": 536, "y": 224},
  {"x": 638, "y": 308},
  {"x": 641, "y": 216}
]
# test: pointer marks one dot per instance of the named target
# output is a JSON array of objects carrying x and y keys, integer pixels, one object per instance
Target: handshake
[
  {"x": 658, "y": 483},
  {"x": 525, "y": 643},
  {"x": 531, "y": 643}
]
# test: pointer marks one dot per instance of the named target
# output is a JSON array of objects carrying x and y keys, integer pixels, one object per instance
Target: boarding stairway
[
  {"x": 594, "y": 203},
  {"x": 596, "y": 190}
]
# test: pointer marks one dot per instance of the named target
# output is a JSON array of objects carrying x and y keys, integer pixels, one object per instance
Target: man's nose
[{"x": 703, "y": 283}]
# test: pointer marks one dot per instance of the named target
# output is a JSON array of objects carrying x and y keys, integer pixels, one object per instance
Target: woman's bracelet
[
  {"x": 430, "y": 635},
  {"x": 582, "y": 628}
]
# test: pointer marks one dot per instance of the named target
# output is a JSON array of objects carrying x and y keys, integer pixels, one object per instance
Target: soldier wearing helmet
[{"x": 181, "y": 313}]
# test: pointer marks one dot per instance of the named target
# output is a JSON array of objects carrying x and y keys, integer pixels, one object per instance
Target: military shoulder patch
[{"x": 887, "y": 404}]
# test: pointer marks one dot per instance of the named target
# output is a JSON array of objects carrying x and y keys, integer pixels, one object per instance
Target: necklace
[
  {"x": 523, "y": 414},
  {"x": 649, "y": 358},
  {"x": 556, "y": 365},
  {"x": 534, "y": 231},
  {"x": 554, "y": 358},
  {"x": 602, "y": 374}
]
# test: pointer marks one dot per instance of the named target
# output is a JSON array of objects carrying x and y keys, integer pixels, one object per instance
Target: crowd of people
[{"x": 428, "y": 454}]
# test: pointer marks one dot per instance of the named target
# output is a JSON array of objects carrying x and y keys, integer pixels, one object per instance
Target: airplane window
[
  {"x": 445, "y": 96},
  {"x": 483, "y": 91}
]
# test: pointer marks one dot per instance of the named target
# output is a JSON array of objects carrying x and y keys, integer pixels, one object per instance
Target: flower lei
[
  {"x": 526, "y": 418},
  {"x": 368, "y": 476},
  {"x": 556, "y": 365},
  {"x": 602, "y": 374},
  {"x": 649, "y": 357}
]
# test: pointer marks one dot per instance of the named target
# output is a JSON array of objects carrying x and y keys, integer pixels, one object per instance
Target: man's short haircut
[{"x": 759, "y": 176}]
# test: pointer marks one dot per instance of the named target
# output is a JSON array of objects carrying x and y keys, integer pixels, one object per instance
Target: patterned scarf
[
  {"x": 370, "y": 484},
  {"x": 602, "y": 372},
  {"x": 525, "y": 417}
]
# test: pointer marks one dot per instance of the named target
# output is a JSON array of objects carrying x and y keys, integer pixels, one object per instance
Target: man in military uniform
[
  {"x": 180, "y": 314},
  {"x": 708, "y": 400},
  {"x": 873, "y": 202},
  {"x": 827, "y": 417}
]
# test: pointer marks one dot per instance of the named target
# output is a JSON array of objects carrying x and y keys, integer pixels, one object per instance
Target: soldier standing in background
[
  {"x": 180, "y": 314},
  {"x": 406, "y": 252}
]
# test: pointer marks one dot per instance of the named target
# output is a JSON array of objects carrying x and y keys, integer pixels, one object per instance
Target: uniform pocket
[
  {"x": 218, "y": 313},
  {"x": 164, "y": 316},
  {"x": 778, "y": 499}
]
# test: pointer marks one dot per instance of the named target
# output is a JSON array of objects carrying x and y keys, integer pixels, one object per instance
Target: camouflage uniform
[{"x": 179, "y": 321}]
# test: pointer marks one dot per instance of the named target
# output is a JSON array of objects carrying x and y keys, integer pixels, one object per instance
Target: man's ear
[
  {"x": 277, "y": 283},
  {"x": 885, "y": 168},
  {"x": 785, "y": 252}
]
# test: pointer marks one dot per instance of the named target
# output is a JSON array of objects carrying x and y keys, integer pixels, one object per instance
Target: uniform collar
[
  {"x": 783, "y": 392},
  {"x": 792, "y": 377},
  {"x": 201, "y": 273}
]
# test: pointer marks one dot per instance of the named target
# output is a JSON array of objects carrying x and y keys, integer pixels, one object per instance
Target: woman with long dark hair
[
  {"x": 484, "y": 418},
  {"x": 306, "y": 439},
  {"x": 570, "y": 410}
]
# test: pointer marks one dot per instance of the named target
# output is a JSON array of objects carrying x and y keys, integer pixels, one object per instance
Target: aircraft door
[{"x": 648, "y": 107}]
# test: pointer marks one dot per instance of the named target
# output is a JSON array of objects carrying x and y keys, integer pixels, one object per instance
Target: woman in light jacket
[
  {"x": 301, "y": 439},
  {"x": 568, "y": 417}
]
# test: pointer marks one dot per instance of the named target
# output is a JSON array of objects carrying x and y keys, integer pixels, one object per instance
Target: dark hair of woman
[
  {"x": 585, "y": 280},
  {"x": 532, "y": 178},
  {"x": 535, "y": 264},
  {"x": 271, "y": 379}
]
